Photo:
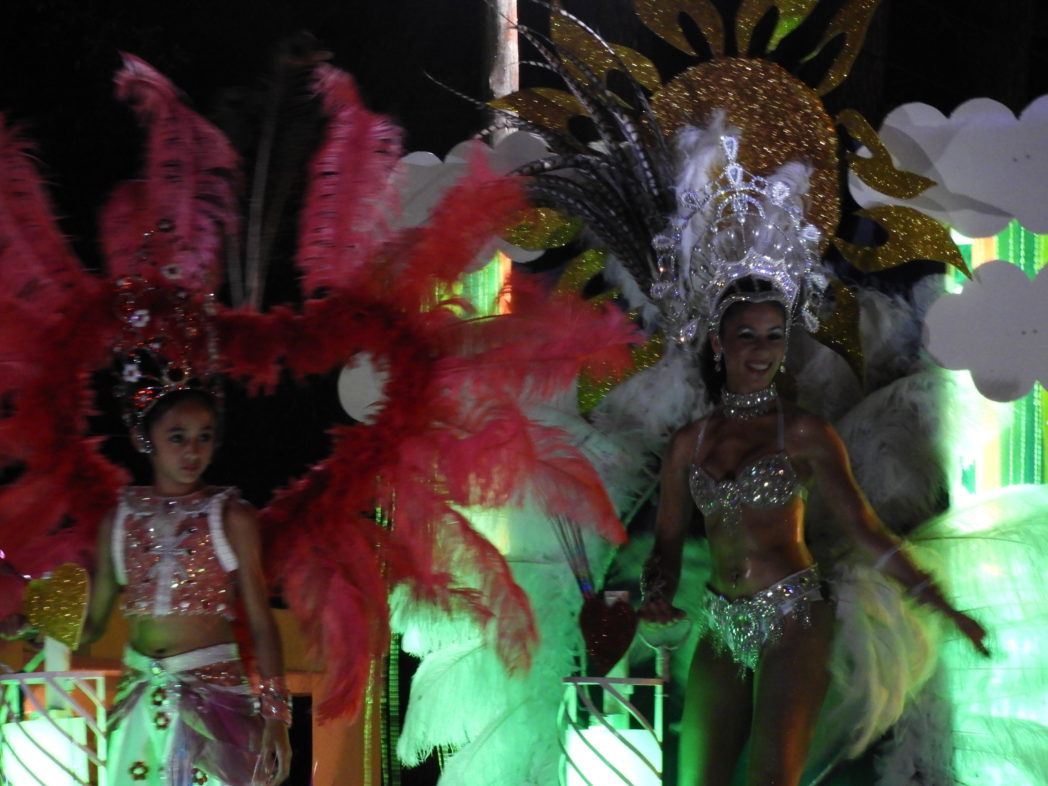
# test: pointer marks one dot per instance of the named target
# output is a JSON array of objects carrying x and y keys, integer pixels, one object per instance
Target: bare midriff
[
  {"x": 173, "y": 634},
  {"x": 764, "y": 546}
]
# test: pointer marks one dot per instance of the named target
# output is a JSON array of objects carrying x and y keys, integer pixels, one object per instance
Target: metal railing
[{"x": 52, "y": 727}]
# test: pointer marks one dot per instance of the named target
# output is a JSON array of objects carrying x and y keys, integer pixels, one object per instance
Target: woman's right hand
[
  {"x": 274, "y": 762},
  {"x": 660, "y": 612}
]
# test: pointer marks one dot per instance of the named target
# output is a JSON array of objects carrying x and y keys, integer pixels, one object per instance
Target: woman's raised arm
[{"x": 821, "y": 448}]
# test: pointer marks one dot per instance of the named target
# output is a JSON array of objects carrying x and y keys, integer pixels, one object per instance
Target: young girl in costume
[
  {"x": 187, "y": 554},
  {"x": 762, "y": 667}
]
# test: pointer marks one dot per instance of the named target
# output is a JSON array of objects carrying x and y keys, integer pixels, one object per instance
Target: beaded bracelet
[
  {"x": 918, "y": 589},
  {"x": 274, "y": 699},
  {"x": 886, "y": 555}
]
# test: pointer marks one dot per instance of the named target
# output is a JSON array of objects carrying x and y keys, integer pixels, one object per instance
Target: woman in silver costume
[{"x": 761, "y": 672}]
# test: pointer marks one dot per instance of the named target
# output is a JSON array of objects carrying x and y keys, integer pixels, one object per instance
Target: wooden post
[{"x": 504, "y": 76}]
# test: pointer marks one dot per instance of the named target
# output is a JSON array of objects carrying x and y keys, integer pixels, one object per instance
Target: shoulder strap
[
  {"x": 227, "y": 558},
  {"x": 117, "y": 538},
  {"x": 698, "y": 440}
]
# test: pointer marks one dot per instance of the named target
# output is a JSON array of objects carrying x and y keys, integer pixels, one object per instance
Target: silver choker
[{"x": 744, "y": 406}]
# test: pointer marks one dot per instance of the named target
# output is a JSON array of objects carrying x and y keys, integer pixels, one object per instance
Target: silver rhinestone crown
[{"x": 744, "y": 226}]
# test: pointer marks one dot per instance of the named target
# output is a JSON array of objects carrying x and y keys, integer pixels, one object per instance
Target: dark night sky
[{"x": 57, "y": 57}]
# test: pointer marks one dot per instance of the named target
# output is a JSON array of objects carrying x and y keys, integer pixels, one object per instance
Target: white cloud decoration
[
  {"x": 424, "y": 177},
  {"x": 997, "y": 328},
  {"x": 989, "y": 165},
  {"x": 362, "y": 387}
]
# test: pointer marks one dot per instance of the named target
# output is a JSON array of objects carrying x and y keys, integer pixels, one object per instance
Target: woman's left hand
[
  {"x": 15, "y": 627},
  {"x": 971, "y": 630},
  {"x": 275, "y": 758}
]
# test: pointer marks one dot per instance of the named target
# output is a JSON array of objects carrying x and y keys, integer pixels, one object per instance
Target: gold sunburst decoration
[{"x": 781, "y": 118}]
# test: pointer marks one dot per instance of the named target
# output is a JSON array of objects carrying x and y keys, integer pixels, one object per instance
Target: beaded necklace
[{"x": 746, "y": 406}]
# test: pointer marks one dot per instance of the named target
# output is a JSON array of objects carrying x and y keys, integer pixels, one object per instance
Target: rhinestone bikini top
[
  {"x": 172, "y": 554},
  {"x": 764, "y": 483}
]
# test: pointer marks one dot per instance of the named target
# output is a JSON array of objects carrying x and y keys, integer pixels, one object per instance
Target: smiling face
[
  {"x": 183, "y": 440},
  {"x": 753, "y": 342}
]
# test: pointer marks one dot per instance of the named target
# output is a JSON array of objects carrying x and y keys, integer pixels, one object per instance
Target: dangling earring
[
  {"x": 143, "y": 444},
  {"x": 717, "y": 361}
]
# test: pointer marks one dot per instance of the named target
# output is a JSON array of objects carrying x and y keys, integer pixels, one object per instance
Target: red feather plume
[
  {"x": 36, "y": 265},
  {"x": 55, "y": 323},
  {"x": 451, "y": 433}
]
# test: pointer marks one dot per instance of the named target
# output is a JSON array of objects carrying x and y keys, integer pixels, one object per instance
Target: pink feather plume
[
  {"x": 188, "y": 194},
  {"x": 351, "y": 194}
]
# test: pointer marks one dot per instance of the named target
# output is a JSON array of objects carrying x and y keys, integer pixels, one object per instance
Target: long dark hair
[{"x": 712, "y": 378}]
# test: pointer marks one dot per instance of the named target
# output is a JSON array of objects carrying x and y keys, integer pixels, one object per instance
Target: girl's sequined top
[
  {"x": 171, "y": 553},
  {"x": 766, "y": 482}
]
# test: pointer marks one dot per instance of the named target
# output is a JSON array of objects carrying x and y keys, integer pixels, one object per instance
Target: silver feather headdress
[{"x": 737, "y": 226}]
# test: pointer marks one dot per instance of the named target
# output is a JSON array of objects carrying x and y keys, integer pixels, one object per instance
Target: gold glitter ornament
[
  {"x": 911, "y": 235},
  {"x": 595, "y": 383},
  {"x": 56, "y": 605},
  {"x": 852, "y": 22},
  {"x": 791, "y": 14},
  {"x": 878, "y": 170},
  {"x": 543, "y": 227},
  {"x": 544, "y": 106},
  {"x": 840, "y": 331},
  {"x": 661, "y": 17},
  {"x": 780, "y": 117},
  {"x": 592, "y": 388},
  {"x": 569, "y": 36},
  {"x": 580, "y": 270}
]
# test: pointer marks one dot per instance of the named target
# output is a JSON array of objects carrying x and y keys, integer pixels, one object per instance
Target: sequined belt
[
  {"x": 745, "y": 625},
  {"x": 162, "y": 670}
]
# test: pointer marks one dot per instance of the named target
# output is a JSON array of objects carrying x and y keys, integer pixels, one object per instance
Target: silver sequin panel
[
  {"x": 744, "y": 626},
  {"x": 768, "y": 482}
]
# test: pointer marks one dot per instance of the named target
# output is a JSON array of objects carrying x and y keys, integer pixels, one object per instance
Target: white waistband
[{"x": 183, "y": 661}]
